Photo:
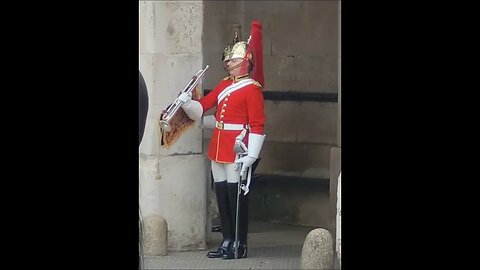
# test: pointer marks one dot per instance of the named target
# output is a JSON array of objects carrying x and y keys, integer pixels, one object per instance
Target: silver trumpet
[{"x": 173, "y": 108}]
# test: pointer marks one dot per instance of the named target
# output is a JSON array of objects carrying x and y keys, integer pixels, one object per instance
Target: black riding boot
[
  {"x": 242, "y": 221},
  {"x": 225, "y": 218},
  {"x": 215, "y": 227}
]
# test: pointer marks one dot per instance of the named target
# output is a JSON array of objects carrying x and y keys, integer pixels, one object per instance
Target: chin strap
[{"x": 227, "y": 68}]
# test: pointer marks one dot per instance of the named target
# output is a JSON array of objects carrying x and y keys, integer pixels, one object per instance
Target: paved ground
[{"x": 271, "y": 246}]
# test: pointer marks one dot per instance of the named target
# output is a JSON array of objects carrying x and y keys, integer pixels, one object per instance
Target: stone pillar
[
  {"x": 172, "y": 181},
  {"x": 317, "y": 251},
  {"x": 156, "y": 236}
]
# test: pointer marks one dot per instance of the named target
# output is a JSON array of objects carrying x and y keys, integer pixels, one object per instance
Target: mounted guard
[{"x": 239, "y": 121}]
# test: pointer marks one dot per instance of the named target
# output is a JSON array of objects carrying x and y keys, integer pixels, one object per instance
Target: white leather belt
[{"x": 225, "y": 126}]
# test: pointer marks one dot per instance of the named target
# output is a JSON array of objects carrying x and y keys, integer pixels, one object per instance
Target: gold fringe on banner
[{"x": 179, "y": 123}]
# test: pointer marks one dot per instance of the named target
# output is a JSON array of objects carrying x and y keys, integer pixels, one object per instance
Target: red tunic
[{"x": 242, "y": 103}]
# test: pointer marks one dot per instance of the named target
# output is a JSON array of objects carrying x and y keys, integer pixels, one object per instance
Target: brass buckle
[{"x": 219, "y": 125}]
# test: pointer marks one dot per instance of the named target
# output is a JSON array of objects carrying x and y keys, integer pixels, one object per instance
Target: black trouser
[{"x": 227, "y": 208}]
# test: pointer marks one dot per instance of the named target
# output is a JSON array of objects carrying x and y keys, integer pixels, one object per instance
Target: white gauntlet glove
[
  {"x": 192, "y": 108},
  {"x": 208, "y": 122},
  {"x": 246, "y": 162},
  {"x": 186, "y": 99},
  {"x": 255, "y": 142}
]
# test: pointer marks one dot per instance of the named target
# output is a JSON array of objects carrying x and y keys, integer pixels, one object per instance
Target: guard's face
[{"x": 233, "y": 66}]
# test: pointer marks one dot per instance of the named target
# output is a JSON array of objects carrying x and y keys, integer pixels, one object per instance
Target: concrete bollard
[
  {"x": 317, "y": 251},
  {"x": 155, "y": 233}
]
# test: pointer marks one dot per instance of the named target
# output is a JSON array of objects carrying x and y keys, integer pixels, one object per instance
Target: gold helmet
[
  {"x": 232, "y": 49},
  {"x": 238, "y": 50},
  {"x": 251, "y": 50}
]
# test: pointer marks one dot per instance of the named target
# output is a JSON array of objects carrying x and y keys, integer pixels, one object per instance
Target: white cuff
[
  {"x": 194, "y": 110},
  {"x": 255, "y": 142},
  {"x": 209, "y": 121}
]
